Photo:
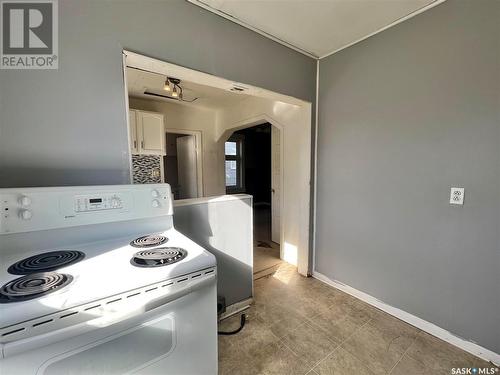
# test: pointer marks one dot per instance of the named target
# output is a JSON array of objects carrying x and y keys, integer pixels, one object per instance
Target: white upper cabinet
[
  {"x": 147, "y": 133},
  {"x": 151, "y": 132}
]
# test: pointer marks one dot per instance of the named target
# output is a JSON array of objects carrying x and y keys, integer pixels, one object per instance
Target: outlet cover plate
[{"x": 457, "y": 195}]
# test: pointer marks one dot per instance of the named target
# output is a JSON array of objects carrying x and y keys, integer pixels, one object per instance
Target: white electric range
[{"x": 96, "y": 280}]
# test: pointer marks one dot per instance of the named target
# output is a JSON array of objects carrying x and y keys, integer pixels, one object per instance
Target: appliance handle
[{"x": 30, "y": 343}]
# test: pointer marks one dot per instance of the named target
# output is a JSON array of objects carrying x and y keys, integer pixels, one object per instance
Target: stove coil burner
[
  {"x": 33, "y": 286},
  {"x": 149, "y": 241},
  {"x": 161, "y": 256},
  {"x": 46, "y": 262}
]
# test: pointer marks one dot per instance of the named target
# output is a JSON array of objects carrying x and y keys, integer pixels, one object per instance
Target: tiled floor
[
  {"x": 266, "y": 253},
  {"x": 265, "y": 260},
  {"x": 262, "y": 223},
  {"x": 301, "y": 326}
]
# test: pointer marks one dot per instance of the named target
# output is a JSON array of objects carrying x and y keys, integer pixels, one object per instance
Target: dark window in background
[{"x": 235, "y": 177}]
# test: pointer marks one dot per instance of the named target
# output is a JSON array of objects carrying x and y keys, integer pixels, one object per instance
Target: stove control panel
[
  {"x": 89, "y": 203},
  {"x": 31, "y": 209},
  {"x": 96, "y": 203}
]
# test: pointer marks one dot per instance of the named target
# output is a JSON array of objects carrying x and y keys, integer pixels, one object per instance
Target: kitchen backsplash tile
[{"x": 146, "y": 169}]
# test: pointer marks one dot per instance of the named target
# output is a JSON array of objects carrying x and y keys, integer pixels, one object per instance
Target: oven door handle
[
  {"x": 117, "y": 317},
  {"x": 34, "y": 342}
]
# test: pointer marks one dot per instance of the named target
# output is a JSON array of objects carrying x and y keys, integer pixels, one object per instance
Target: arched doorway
[{"x": 253, "y": 165}]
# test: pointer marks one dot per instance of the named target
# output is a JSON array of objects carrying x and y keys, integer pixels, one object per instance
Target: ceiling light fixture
[
  {"x": 176, "y": 88},
  {"x": 166, "y": 86}
]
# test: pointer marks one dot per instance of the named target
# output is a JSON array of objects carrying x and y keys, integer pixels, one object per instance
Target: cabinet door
[
  {"x": 152, "y": 133},
  {"x": 133, "y": 131}
]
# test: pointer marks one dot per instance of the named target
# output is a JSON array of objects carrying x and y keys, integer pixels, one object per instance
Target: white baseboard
[{"x": 415, "y": 321}]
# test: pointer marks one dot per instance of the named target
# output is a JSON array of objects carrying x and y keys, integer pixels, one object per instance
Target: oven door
[{"x": 179, "y": 337}]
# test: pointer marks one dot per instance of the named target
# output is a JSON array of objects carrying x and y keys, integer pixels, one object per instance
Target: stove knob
[
  {"x": 115, "y": 202},
  {"x": 25, "y": 201},
  {"x": 155, "y": 193},
  {"x": 25, "y": 214},
  {"x": 156, "y": 203}
]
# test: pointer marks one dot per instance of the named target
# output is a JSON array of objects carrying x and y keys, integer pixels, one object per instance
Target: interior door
[
  {"x": 152, "y": 132},
  {"x": 187, "y": 167},
  {"x": 275, "y": 184}
]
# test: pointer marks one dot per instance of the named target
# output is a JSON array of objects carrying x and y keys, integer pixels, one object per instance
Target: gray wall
[
  {"x": 68, "y": 126},
  {"x": 404, "y": 116}
]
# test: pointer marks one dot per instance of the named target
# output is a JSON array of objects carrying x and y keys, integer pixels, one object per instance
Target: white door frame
[
  {"x": 199, "y": 154},
  {"x": 127, "y": 119},
  {"x": 276, "y": 191},
  {"x": 258, "y": 120}
]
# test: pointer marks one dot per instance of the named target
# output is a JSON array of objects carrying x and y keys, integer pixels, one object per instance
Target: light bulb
[
  {"x": 166, "y": 87},
  {"x": 174, "y": 93}
]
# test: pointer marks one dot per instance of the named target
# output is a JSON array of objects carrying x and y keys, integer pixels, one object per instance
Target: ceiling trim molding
[
  {"x": 300, "y": 50},
  {"x": 396, "y": 22},
  {"x": 246, "y": 25}
]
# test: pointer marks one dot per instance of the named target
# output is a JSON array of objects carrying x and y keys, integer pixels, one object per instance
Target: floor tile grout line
[
  {"x": 297, "y": 355},
  {"x": 268, "y": 326},
  {"x": 349, "y": 337},
  {"x": 362, "y": 362},
  {"x": 330, "y": 306},
  {"x": 401, "y": 358},
  {"x": 413, "y": 343},
  {"x": 417, "y": 359},
  {"x": 311, "y": 371},
  {"x": 328, "y": 355},
  {"x": 283, "y": 341},
  {"x": 330, "y": 340},
  {"x": 356, "y": 331},
  {"x": 339, "y": 345}
]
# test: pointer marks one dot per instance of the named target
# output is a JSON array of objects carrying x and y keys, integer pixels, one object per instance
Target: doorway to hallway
[
  {"x": 252, "y": 166},
  {"x": 181, "y": 164}
]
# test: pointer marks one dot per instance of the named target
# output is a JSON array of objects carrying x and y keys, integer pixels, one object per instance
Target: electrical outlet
[{"x": 457, "y": 195}]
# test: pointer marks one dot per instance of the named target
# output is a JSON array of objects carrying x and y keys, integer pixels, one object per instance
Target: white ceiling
[
  {"x": 317, "y": 27},
  {"x": 140, "y": 81}
]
